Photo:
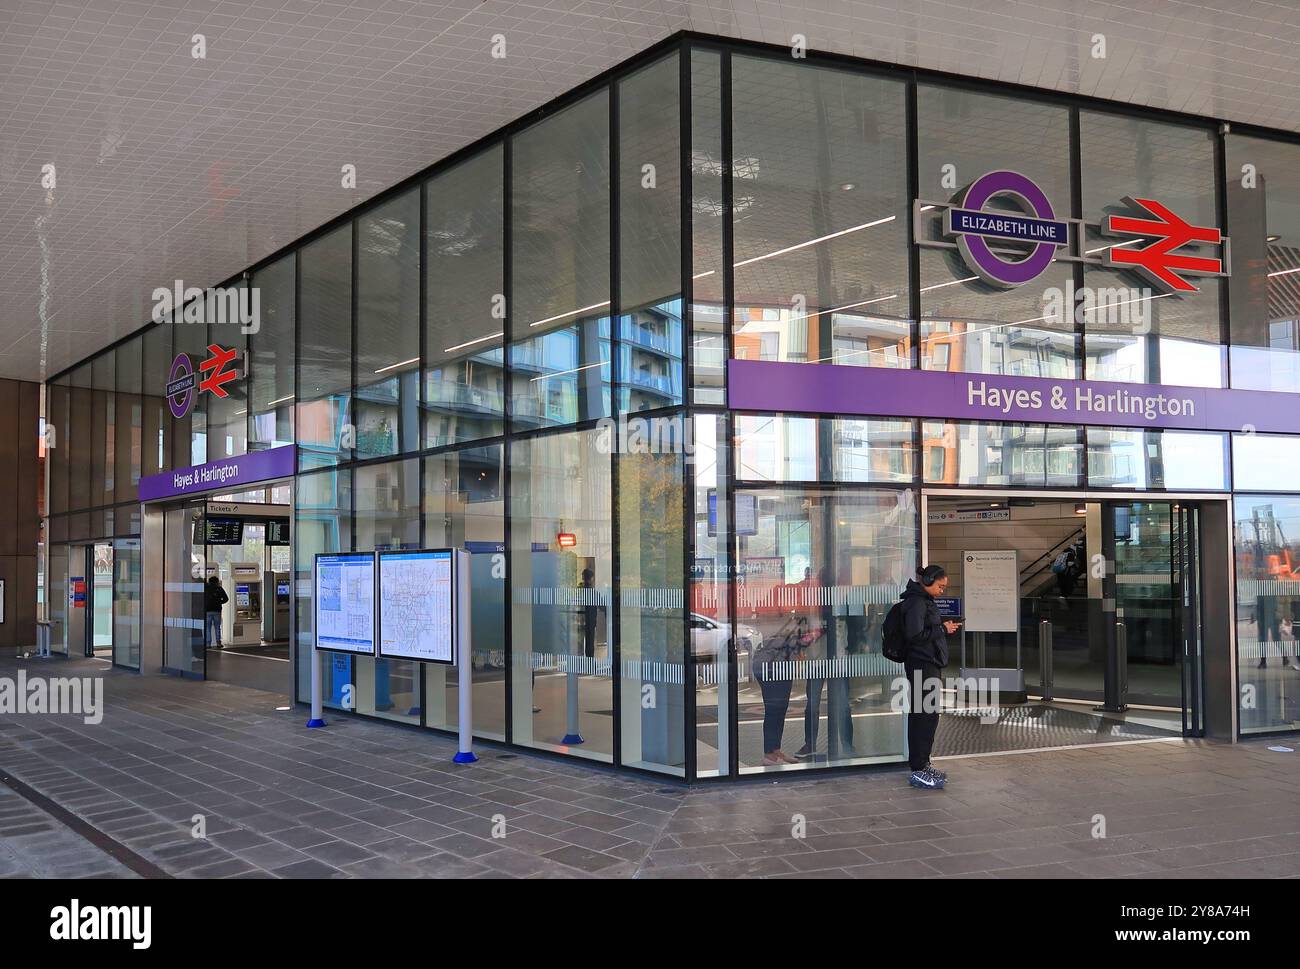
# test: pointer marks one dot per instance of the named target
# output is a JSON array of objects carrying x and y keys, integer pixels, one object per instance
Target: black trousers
[
  {"x": 776, "y": 702},
  {"x": 921, "y": 724}
]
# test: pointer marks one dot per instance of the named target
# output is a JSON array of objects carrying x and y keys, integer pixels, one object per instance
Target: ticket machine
[
  {"x": 275, "y": 615},
  {"x": 241, "y": 619}
]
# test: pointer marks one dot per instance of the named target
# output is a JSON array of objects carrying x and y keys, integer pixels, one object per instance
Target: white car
[{"x": 709, "y": 638}]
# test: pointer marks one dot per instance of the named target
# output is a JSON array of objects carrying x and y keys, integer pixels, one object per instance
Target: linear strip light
[
  {"x": 470, "y": 343},
  {"x": 583, "y": 309},
  {"x": 561, "y": 373},
  {"x": 813, "y": 242},
  {"x": 402, "y": 363},
  {"x": 954, "y": 282}
]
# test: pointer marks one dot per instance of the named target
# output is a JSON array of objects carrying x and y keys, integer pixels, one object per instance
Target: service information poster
[
  {"x": 345, "y": 602},
  {"x": 415, "y": 606},
  {"x": 991, "y": 591}
]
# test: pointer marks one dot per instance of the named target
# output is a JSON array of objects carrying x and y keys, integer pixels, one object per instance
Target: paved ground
[{"x": 369, "y": 799}]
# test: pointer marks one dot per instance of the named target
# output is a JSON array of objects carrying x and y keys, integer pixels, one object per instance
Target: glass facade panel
[
  {"x": 1265, "y": 462},
  {"x": 464, "y": 377},
  {"x": 58, "y": 401},
  {"x": 708, "y": 274},
  {"x": 1263, "y": 204},
  {"x": 1020, "y": 455},
  {"x": 127, "y": 429},
  {"x": 649, "y": 364},
  {"x": 819, "y": 193},
  {"x": 651, "y": 624},
  {"x": 967, "y": 324},
  {"x": 323, "y": 417},
  {"x": 559, "y": 314},
  {"x": 228, "y": 416},
  {"x": 388, "y": 328},
  {"x": 190, "y": 441},
  {"x": 778, "y": 448},
  {"x": 271, "y": 355},
  {"x": 78, "y": 439},
  {"x": 387, "y": 502},
  {"x": 561, "y": 560},
  {"x": 156, "y": 420},
  {"x": 712, "y": 639},
  {"x": 1266, "y": 534},
  {"x": 1135, "y": 332},
  {"x": 820, "y": 568},
  {"x": 1130, "y": 458},
  {"x": 464, "y": 508},
  {"x": 322, "y": 522},
  {"x": 102, "y": 420}
]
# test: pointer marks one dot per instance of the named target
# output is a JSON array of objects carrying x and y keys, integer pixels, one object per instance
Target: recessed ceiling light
[
  {"x": 1273, "y": 238},
  {"x": 847, "y": 187}
]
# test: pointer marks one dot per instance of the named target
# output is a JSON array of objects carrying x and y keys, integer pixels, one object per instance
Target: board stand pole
[
  {"x": 573, "y": 737},
  {"x": 317, "y": 720},
  {"x": 465, "y": 663}
]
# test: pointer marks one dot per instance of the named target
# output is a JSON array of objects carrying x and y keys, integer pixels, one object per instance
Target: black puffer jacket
[
  {"x": 214, "y": 597},
  {"x": 927, "y": 641}
]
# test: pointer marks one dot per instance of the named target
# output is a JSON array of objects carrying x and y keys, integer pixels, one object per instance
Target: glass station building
[{"x": 698, "y": 362}]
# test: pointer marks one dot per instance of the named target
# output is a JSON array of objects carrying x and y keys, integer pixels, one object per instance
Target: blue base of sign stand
[
  {"x": 314, "y": 722},
  {"x": 413, "y": 712},
  {"x": 572, "y": 739},
  {"x": 464, "y": 757}
]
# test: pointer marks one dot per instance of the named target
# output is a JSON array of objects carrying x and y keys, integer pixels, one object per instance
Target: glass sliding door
[
  {"x": 184, "y": 573},
  {"x": 1149, "y": 600},
  {"x": 101, "y": 615},
  {"x": 126, "y": 602}
]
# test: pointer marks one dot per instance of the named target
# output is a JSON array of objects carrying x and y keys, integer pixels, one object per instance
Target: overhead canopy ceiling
[{"x": 168, "y": 166}]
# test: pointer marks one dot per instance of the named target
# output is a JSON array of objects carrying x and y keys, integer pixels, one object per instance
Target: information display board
[
  {"x": 223, "y": 531},
  {"x": 991, "y": 591},
  {"x": 344, "y": 602},
  {"x": 417, "y": 605},
  {"x": 277, "y": 531}
]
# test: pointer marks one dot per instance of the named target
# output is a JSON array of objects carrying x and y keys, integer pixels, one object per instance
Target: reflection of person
[
  {"x": 1268, "y": 627},
  {"x": 814, "y": 645},
  {"x": 776, "y": 683},
  {"x": 926, "y": 656},
  {"x": 1295, "y": 630},
  {"x": 214, "y": 597},
  {"x": 588, "y": 613},
  {"x": 1068, "y": 577}
]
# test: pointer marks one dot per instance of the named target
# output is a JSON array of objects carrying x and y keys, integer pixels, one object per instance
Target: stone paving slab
[{"x": 365, "y": 799}]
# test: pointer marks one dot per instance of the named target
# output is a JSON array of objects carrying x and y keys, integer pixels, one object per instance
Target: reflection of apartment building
[{"x": 781, "y": 333}]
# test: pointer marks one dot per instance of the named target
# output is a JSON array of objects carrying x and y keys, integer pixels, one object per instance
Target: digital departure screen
[
  {"x": 224, "y": 531},
  {"x": 277, "y": 532}
]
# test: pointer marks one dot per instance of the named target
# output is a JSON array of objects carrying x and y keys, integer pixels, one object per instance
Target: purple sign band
[
  {"x": 880, "y": 392},
  {"x": 237, "y": 472}
]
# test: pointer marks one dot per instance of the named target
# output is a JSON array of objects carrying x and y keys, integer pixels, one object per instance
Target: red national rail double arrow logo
[
  {"x": 1160, "y": 260},
  {"x": 219, "y": 374}
]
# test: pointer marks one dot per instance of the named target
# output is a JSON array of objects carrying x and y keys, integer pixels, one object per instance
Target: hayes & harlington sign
[{"x": 759, "y": 385}]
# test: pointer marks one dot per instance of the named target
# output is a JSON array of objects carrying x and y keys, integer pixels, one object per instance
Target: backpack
[
  {"x": 1062, "y": 562},
  {"x": 893, "y": 640}
]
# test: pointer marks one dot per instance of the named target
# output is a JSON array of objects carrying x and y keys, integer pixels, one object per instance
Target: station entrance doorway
[
  {"x": 227, "y": 596},
  {"x": 1083, "y": 615}
]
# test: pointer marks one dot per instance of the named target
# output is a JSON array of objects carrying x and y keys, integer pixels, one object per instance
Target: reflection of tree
[{"x": 652, "y": 572}]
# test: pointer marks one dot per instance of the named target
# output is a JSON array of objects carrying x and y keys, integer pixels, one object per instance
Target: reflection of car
[{"x": 709, "y": 638}]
